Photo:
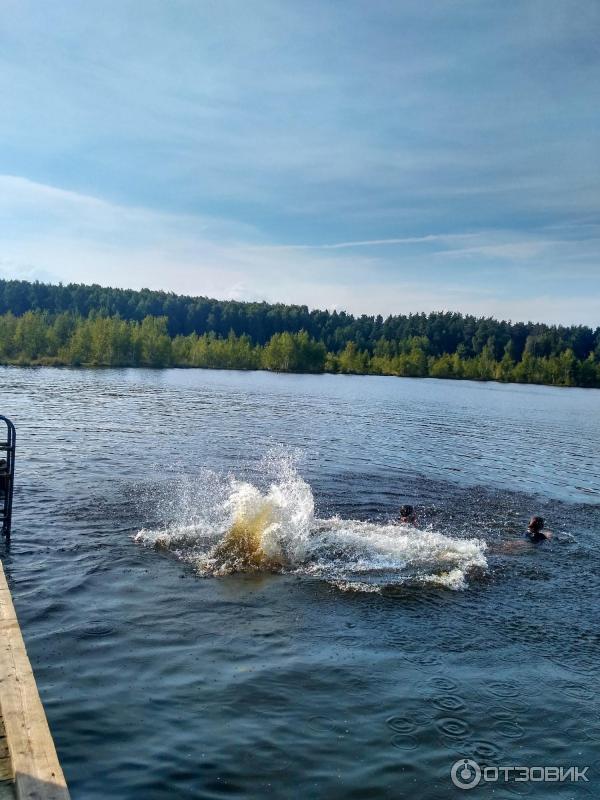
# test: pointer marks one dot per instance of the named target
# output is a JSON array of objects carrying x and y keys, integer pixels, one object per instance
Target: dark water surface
[{"x": 162, "y": 684}]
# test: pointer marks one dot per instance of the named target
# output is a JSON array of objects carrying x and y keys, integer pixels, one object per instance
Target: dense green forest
[{"x": 92, "y": 325}]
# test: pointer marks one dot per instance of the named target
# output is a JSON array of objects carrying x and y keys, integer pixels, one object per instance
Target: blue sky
[{"x": 382, "y": 157}]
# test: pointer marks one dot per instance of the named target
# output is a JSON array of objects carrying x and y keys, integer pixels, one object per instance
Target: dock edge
[{"x": 36, "y": 771}]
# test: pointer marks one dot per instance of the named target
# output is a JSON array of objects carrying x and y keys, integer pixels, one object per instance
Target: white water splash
[{"x": 237, "y": 527}]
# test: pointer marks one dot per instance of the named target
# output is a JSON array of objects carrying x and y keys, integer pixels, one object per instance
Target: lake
[{"x": 349, "y": 656}]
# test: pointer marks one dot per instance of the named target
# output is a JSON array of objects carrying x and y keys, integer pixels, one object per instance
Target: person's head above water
[
  {"x": 536, "y": 524},
  {"x": 407, "y": 514}
]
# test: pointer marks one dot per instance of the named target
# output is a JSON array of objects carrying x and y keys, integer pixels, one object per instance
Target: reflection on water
[{"x": 228, "y": 661}]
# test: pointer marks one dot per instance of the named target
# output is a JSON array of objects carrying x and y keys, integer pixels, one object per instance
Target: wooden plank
[
  {"x": 6, "y": 773},
  {"x": 33, "y": 761}
]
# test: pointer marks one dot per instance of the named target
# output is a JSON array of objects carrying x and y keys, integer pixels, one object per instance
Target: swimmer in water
[
  {"x": 535, "y": 532},
  {"x": 407, "y": 515}
]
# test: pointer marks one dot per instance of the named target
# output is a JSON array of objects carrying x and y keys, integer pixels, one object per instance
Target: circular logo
[{"x": 465, "y": 773}]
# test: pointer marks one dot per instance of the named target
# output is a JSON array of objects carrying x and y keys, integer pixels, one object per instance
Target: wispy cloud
[
  {"x": 52, "y": 234},
  {"x": 432, "y": 237}
]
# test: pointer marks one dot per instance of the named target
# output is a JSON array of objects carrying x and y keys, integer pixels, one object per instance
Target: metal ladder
[{"x": 7, "y": 474}]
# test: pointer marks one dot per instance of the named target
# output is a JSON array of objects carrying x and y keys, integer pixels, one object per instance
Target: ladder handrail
[{"x": 7, "y": 477}]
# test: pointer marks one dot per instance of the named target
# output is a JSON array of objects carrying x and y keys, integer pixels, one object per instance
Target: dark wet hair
[
  {"x": 536, "y": 522},
  {"x": 406, "y": 511}
]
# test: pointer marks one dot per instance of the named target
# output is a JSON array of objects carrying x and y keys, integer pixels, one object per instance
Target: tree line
[
  {"x": 447, "y": 332},
  {"x": 70, "y": 339}
]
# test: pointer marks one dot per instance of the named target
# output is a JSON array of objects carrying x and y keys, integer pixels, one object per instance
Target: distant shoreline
[
  {"x": 77, "y": 325},
  {"x": 186, "y": 367}
]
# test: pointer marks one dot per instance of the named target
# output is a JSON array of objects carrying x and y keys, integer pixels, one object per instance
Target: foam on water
[{"x": 236, "y": 527}]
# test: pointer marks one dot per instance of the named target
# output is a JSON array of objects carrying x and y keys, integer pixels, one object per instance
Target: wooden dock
[{"x": 29, "y": 768}]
